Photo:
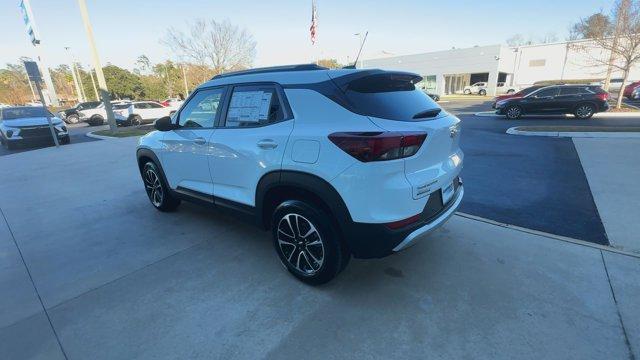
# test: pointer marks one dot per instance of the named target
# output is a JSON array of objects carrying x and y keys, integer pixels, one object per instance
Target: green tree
[
  {"x": 122, "y": 83},
  {"x": 14, "y": 87}
]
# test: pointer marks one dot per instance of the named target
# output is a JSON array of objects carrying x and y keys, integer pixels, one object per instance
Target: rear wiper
[{"x": 427, "y": 114}]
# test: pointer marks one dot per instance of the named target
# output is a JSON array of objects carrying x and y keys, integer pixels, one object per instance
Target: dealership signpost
[
  {"x": 34, "y": 75},
  {"x": 32, "y": 31}
]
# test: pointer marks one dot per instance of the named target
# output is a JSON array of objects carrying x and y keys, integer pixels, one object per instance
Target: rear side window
[
  {"x": 575, "y": 91},
  {"x": 390, "y": 96},
  {"x": 254, "y": 105}
]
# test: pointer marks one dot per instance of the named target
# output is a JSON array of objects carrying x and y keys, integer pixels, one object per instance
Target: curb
[
  {"x": 633, "y": 114},
  {"x": 100, "y": 137},
  {"x": 550, "y": 236},
  {"x": 575, "y": 134}
]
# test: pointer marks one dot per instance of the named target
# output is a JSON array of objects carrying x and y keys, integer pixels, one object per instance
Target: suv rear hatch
[{"x": 392, "y": 102}]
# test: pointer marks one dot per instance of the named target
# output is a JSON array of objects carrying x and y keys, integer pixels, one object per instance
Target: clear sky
[{"x": 126, "y": 29}]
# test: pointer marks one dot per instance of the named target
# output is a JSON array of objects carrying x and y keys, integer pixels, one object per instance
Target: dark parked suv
[{"x": 580, "y": 100}]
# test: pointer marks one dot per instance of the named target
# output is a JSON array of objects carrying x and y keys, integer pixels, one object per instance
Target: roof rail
[{"x": 285, "y": 68}]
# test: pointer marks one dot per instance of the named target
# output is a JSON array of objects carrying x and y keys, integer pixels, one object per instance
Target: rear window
[
  {"x": 575, "y": 91},
  {"x": 391, "y": 96}
]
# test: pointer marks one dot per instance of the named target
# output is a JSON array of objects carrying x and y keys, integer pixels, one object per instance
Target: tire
[
  {"x": 72, "y": 119},
  {"x": 510, "y": 91},
  {"x": 135, "y": 120},
  {"x": 315, "y": 258},
  {"x": 513, "y": 112},
  {"x": 584, "y": 111},
  {"x": 482, "y": 92},
  {"x": 96, "y": 120},
  {"x": 157, "y": 190},
  {"x": 65, "y": 141},
  {"x": 467, "y": 92}
]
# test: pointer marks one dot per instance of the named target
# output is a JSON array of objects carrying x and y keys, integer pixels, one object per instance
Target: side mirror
[{"x": 164, "y": 124}]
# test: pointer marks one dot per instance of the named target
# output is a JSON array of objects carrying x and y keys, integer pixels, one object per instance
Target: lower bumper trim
[{"x": 418, "y": 233}]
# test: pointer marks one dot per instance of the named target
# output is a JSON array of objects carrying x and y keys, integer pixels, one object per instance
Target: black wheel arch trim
[
  {"x": 307, "y": 182},
  {"x": 148, "y": 153}
]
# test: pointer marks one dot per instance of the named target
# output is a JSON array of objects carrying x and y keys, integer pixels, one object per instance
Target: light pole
[
  {"x": 363, "y": 38},
  {"x": 184, "y": 78},
  {"x": 75, "y": 78},
  {"x": 104, "y": 92},
  {"x": 95, "y": 90}
]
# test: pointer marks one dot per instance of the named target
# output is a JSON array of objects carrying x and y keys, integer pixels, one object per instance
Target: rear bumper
[{"x": 367, "y": 240}]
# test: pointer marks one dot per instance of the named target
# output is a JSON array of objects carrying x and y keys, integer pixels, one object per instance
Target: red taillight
[
  {"x": 603, "y": 96},
  {"x": 379, "y": 146},
  {"x": 402, "y": 223}
]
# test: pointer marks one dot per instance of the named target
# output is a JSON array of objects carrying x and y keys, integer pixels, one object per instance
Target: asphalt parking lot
[
  {"x": 93, "y": 271},
  {"x": 532, "y": 182},
  {"x": 76, "y": 133}
]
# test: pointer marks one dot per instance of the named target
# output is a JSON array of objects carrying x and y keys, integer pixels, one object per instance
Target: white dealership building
[{"x": 449, "y": 71}]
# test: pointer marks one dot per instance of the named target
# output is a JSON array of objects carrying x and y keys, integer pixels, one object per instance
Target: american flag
[{"x": 314, "y": 21}]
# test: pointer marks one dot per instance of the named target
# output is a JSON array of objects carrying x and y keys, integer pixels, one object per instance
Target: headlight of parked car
[
  {"x": 11, "y": 132},
  {"x": 61, "y": 114},
  {"x": 61, "y": 128}
]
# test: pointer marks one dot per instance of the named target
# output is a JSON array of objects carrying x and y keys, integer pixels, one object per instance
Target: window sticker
[{"x": 249, "y": 106}]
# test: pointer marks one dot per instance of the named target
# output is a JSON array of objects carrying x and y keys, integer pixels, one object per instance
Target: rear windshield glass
[
  {"x": 391, "y": 96},
  {"x": 24, "y": 112}
]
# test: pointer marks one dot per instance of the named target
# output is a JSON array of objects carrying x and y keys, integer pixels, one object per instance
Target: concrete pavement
[
  {"x": 612, "y": 167},
  {"x": 110, "y": 277}
]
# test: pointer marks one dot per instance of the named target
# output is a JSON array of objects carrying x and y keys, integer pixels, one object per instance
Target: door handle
[
  {"x": 200, "y": 141},
  {"x": 267, "y": 144}
]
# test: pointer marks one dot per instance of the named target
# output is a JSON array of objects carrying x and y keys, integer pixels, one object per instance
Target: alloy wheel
[
  {"x": 513, "y": 112},
  {"x": 300, "y": 244},
  {"x": 153, "y": 186},
  {"x": 584, "y": 111}
]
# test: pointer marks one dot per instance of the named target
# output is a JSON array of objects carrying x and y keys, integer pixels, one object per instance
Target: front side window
[
  {"x": 254, "y": 105},
  {"x": 202, "y": 109},
  {"x": 153, "y": 105}
]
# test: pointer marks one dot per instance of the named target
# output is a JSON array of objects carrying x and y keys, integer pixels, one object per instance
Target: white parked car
[
  {"x": 20, "y": 125},
  {"x": 302, "y": 149},
  {"x": 502, "y": 88},
  {"x": 140, "y": 112},
  {"x": 174, "y": 103},
  {"x": 479, "y": 88},
  {"x": 98, "y": 115}
]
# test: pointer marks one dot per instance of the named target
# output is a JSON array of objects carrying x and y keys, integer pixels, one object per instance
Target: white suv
[
  {"x": 479, "y": 88},
  {"x": 140, "y": 112},
  {"x": 336, "y": 163}
]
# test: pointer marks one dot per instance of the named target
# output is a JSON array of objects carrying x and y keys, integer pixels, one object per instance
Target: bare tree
[
  {"x": 518, "y": 40},
  {"x": 549, "y": 37},
  {"x": 591, "y": 27},
  {"x": 222, "y": 45},
  {"x": 623, "y": 47}
]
